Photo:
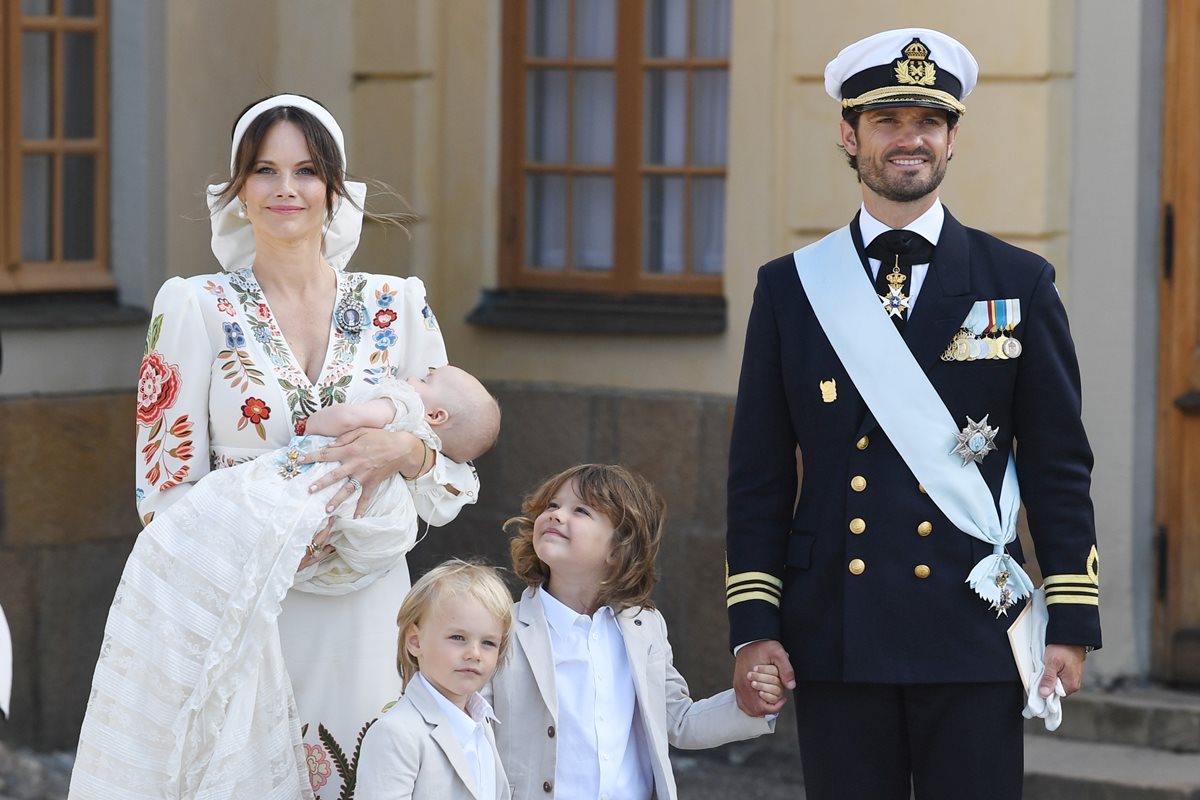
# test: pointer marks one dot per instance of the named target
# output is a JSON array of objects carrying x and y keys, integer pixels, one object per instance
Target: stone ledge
[
  {"x": 1156, "y": 718},
  {"x": 580, "y": 312},
  {"x": 1059, "y": 769},
  {"x": 67, "y": 310}
]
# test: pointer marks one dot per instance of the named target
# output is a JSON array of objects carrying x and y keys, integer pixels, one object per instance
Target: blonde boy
[{"x": 436, "y": 741}]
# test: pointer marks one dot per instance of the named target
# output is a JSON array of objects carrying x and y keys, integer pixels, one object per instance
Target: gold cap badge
[{"x": 915, "y": 69}]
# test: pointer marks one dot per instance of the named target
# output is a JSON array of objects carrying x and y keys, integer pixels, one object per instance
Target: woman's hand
[
  {"x": 368, "y": 456},
  {"x": 318, "y": 550}
]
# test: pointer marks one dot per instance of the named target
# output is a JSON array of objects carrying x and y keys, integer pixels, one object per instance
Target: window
[
  {"x": 614, "y": 126},
  {"x": 54, "y": 146}
]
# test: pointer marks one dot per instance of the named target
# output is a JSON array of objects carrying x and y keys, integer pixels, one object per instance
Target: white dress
[{"x": 219, "y": 380}]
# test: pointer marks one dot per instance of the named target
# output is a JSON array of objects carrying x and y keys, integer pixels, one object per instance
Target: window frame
[
  {"x": 628, "y": 169},
  {"x": 18, "y": 276}
]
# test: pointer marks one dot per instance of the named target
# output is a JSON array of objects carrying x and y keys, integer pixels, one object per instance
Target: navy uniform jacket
[{"x": 788, "y": 556}]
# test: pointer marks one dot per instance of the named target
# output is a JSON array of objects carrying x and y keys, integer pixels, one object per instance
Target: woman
[{"x": 235, "y": 363}]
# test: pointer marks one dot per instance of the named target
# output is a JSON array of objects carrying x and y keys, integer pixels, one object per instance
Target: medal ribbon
[{"x": 909, "y": 409}]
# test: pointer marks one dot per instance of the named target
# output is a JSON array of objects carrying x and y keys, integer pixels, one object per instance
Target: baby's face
[{"x": 432, "y": 386}]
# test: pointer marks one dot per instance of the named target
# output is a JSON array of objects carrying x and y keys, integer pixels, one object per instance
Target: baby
[{"x": 449, "y": 409}]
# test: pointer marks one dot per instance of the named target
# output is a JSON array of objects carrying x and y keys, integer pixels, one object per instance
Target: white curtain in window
[
  {"x": 546, "y": 221},
  {"x": 595, "y": 28},
  {"x": 592, "y": 227},
  {"x": 595, "y": 117},
  {"x": 711, "y": 35}
]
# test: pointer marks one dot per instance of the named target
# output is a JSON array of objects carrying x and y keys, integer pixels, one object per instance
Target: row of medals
[{"x": 967, "y": 346}]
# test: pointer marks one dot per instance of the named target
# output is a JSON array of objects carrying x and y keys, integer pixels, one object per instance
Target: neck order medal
[{"x": 895, "y": 302}]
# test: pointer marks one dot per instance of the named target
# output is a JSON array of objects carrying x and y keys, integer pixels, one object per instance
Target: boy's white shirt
[
  {"x": 470, "y": 729},
  {"x": 602, "y": 750},
  {"x": 527, "y": 739}
]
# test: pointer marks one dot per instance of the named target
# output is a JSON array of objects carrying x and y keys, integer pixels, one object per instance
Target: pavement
[{"x": 748, "y": 771}]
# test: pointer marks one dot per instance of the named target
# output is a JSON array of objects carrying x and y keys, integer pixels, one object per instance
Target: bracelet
[{"x": 425, "y": 450}]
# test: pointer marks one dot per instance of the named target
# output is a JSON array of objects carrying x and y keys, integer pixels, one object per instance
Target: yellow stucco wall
[{"x": 416, "y": 85}]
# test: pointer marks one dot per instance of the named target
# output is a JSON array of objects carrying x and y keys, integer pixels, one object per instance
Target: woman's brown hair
[{"x": 638, "y": 516}]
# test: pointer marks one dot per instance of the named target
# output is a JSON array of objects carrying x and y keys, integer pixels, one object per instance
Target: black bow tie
[{"x": 900, "y": 248}]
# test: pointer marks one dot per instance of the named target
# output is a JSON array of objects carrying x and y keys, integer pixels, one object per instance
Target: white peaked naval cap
[{"x": 904, "y": 67}]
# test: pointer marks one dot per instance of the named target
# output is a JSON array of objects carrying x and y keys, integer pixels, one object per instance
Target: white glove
[{"x": 1034, "y": 642}]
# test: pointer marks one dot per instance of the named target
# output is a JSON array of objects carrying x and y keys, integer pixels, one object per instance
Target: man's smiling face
[{"x": 902, "y": 152}]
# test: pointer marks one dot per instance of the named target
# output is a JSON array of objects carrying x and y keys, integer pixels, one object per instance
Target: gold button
[
  {"x": 858, "y": 483},
  {"x": 921, "y": 571},
  {"x": 862, "y": 443},
  {"x": 857, "y": 526},
  {"x": 925, "y": 528},
  {"x": 857, "y": 567},
  {"x": 921, "y": 489}
]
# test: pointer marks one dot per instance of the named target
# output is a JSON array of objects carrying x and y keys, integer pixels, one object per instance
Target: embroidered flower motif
[
  {"x": 234, "y": 338},
  {"x": 300, "y": 426},
  {"x": 158, "y": 388},
  {"x": 264, "y": 310},
  {"x": 255, "y": 410},
  {"x": 139, "y": 494},
  {"x": 319, "y": 768},
  {"x": 262, "y": 334},
  {"x": 226, "y": 307},
  {"x": 384, "y": 296},
  {"x": 158, "y": 452},
  {"x": 385, "y": 339},
  {"x": 384, "y": 317},
  {"x": 428, "y": 318}
]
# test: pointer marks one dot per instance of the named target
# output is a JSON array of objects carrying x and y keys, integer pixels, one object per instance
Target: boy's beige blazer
[
  {"x": 411, "y": 752},
  {"x": 526, "y": 702}
]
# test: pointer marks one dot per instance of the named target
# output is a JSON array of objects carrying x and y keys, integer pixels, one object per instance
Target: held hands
[
  {"x": 368, "y": 456},
  {"x": 764, "y": 678},
  {"x": 760, "y": 671}
]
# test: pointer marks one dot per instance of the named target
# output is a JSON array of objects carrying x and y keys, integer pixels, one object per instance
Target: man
[{"x": 858, "y": 584}]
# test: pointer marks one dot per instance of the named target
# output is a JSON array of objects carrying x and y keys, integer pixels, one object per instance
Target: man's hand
[
  {"x": 1064, "y": 662},
  {"x": 750, "y": 660}
]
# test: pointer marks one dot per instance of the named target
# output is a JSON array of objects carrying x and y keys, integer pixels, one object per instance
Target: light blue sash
[{"x": 909, "y": 409}]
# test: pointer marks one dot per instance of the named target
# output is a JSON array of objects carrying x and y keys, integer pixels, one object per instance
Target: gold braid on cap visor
[{"x": 896, "y": 94}]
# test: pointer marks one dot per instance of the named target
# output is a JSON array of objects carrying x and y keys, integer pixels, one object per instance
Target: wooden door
[{"x": 1177, "y": 610}]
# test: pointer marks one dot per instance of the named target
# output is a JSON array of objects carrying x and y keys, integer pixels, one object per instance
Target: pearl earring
[{"x": 241, "y": 212}]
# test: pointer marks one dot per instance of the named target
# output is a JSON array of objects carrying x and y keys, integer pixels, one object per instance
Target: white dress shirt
[
  {"x": 928, "y": 225},
  {"x": 602, "y": 752},
  {"x": 469, "y": 729}
]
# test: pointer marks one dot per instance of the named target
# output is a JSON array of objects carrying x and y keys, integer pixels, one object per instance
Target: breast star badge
[{"x": 975, "y": 441}]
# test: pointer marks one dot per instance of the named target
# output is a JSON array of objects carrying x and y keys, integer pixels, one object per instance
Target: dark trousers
[{"x": 869, "y": 741}]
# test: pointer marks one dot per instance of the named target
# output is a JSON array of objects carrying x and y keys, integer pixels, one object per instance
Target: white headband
[
  {"x": 292, "y": 101},
  {"x": 233, "y": 236}
]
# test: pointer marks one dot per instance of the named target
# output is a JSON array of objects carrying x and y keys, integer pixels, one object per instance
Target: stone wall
[{"x": 67, "y": 523}]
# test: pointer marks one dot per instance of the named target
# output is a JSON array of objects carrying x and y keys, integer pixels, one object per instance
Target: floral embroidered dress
[{"x": 219, "y": 380}]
